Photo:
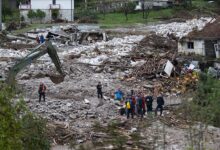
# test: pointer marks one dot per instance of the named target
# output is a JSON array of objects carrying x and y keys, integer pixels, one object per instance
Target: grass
[
  {"x": 205, "y": 5},
  {"x": 118, "y": 19},
  {"x": 30, "y": 27},
  {"x": 201, "y": 3}
]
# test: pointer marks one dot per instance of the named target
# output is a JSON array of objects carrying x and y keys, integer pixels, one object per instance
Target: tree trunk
[
  {"x": 143, "y": 9},
  {"x": 85, "y": 4},
  {"x": 0, "y": 15}
]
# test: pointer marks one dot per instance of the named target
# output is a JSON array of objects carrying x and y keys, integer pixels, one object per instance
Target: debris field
[{"x": 130, "y": 62}]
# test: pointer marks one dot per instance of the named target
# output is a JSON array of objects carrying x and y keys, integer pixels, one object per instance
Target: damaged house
[
  {"x": 205, "y": 42},
  {"x": 54, "y": 9}
]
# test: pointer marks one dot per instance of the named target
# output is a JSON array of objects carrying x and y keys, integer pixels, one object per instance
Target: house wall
[
  {"x": 66, "y": 12},
  {"x": 199, "y": 47},
  {"x": 45, "y": 4}
]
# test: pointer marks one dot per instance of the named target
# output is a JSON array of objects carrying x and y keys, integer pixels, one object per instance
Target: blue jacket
[
  {"x": 42, "y": 40},
  {"x": 118, "y": 95}
]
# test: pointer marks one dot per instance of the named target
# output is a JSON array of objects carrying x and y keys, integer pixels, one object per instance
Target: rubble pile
[
  {"x": 129, "y": 62},
  {"x": 18, "y": 45},
  {"x": 151, "y": 67},
  {"x": 180, "y": 29},
  {"x": 153, "y": 43}
]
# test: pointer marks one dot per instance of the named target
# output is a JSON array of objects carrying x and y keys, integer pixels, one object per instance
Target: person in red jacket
[
  {"x": 134, "y": 103},
  {"x": 41, "y": 91}
]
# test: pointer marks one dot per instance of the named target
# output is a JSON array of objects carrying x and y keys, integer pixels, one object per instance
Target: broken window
[
  {"x": 190, "y": 45},
  {"x": 54, "y": 2}
]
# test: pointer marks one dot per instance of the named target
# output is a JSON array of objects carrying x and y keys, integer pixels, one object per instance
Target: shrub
[
  {"x": 19, "y": 128},
  {"x": 40, "y": 14},
  {"x": 55, "y": 14},
  {"x": 31, "y": 15}
]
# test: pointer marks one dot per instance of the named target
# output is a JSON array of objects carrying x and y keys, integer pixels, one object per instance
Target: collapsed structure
[
  {"x": 129, "y": 61},
  {"x": 205, "y": 42}
]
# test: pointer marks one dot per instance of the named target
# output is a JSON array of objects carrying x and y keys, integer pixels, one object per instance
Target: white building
[
  {"x": 205, "y": 42},
  {"x": 54, "y": 9},
  {"x": 154, "y": 4}
]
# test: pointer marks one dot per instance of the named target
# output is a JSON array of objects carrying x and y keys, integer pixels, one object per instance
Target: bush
[
  {"x": 87, "y": 16},
  {"x": 206, "y": 102},
  {"x": 31, "y": 15},
  {"x": 55, "y": 14},
  {"x": 131, "y": 7},
  {"x": 40, "y": 14},
  {"x": 19, "y": 128}
]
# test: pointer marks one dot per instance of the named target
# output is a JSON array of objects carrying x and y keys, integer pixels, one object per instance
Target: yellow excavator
[{"x": 37, "y": 52}]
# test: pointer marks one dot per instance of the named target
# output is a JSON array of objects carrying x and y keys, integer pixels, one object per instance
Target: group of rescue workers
[
  {"x": 40, "y": 39},
  {"x": 136, "y": 104}
]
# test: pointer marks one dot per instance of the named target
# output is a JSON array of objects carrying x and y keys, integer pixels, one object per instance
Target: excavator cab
[{"x": 37, "y": 52}]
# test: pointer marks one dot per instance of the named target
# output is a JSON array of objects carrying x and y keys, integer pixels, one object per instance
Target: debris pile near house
[
  {"x": 153, "y": 44},
  {"x": 181, "y": 29},
  {"x": 151, "y": 67}
]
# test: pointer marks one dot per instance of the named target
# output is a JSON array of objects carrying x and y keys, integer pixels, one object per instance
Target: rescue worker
[
  {"x": 140, "y": 105},
  {"x": 42, "y": 39},
  {"x": 99, "y": 90},
  {"x": 119, "y": 95},
  {"x": 149, "y": 103},
  {"x": 41, "y": 91},
  {"x": 129, "y": 107},
  {"x": 134, "y": 104},
  {"x": 37, "y": 39},
  {"x": 160, "y": 103},
  {"x": 143, "y": 104}
]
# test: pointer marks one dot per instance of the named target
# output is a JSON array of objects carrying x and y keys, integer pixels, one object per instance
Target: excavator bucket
[
  {"x": 37, "y": 52},
  {"x": 56, "y": 79}
]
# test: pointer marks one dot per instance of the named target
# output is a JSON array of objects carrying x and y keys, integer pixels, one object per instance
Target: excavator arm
[{"x": 37, "y": 52}]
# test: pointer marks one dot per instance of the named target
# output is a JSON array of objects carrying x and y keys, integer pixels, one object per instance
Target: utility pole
[{"x": 0, "y": 15}]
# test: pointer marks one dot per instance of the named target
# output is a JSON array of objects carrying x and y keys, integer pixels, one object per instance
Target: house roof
[{"x": 210, "y": 31}]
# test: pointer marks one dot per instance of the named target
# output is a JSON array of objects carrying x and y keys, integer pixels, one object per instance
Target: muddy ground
[{"x": 78, "y": 118}]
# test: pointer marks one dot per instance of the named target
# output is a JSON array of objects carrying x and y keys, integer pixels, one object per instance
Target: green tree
[
  {"x": 55, "y": 14},
  {"x": 6, "y": 11},
  {"x": 40, "y": 14},
  {"x": 202, "y": 109},
  {"x": 31, "y": 15},
  {"x": 19, "y": 128}
]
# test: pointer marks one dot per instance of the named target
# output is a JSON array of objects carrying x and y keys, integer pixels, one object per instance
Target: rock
[
  {"x": 133, "y": 130},
  {"x": 73, "y": 56},
  {"x": 80, "y": 141},
  {"x": 148, "y": 86},
  {"x": 86, "y": 101},
  {"x": 25, "y": 76},
  {"x": 73, "y": 116},
  {"x": 129, "y": 143},
  {"x": 98, "y": 70}
]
